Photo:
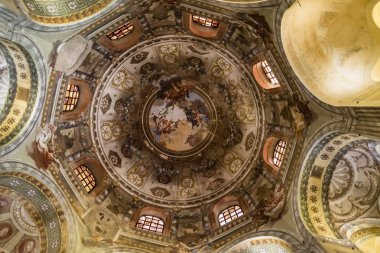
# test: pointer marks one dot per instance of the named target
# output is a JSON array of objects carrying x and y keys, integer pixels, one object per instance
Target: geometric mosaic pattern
[{"x": 62, "y": 11}]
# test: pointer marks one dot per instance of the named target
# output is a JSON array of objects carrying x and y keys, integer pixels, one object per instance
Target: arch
[
  {"x": 334, "y": 58},
  {"x": 203, "y": 26},
  {"x": 265, "y": 76},
  {"x": 95, "y": 173},
  {"x": 339, "y": 183},
  {"x": 19, "y": 90},
  {"x": 227, "y": 209},
  {"x": 122, "y": 35},
  {"x": 274, "y": 152},
  {"x": 154, "y": 220},
  {"x": 86, "y": 177},
  {"x": 77, "y": 98},
  {"x": 34, "y": 188}
]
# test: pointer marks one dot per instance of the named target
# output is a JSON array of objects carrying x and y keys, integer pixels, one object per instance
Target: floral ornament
[
  {"x": 345, "y": 137},
  {"x": 51, "y": 9},
  {"x": 52, "y": 225},
  {"x": 16, "y": 112},
  {"x": 314, "y": 189},
  {"x": 18, "y": 57},
  {"x": 30, "y": 6},
  {"x": 14, "y": 183},
  {"x": 137, "y": 58},
  {"x": 72, "y": 5},
  {"x": 330, "y": 148},
  {"x": 249, "y": 141},
  {"x": 13, "y": 49},
  {"x": 235, "y": 165},
  {"x": 313, "y": 199},
  {"x": 4, "y": 128},
  {"x": 31, "y": 193},
  {"x": 105, "y": 103},
  {"x": 337, "y": 142},
  {"x": 114, "y": 158},
  {"x": 216, "y": 184},
  {"x": 321, "y": 228},
  {"x": 324, "y": 156},
  {"x": 44, "y": 207},
  {"x": 135, "y": 179},
  {"x": 21, "y": 66},
  {"x": 160, "y": 192},
  {"x": 317, "y": 219},
  {"x": 314, "y": 209},
  {"x": 11, "y": 121},
  {"x": 23, "y": 76},
  {"x": 54, "y": 244}
]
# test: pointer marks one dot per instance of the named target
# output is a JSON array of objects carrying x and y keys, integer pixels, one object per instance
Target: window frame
[
  {"x": 86, "y": 177},
  {"x": 71, "y": 97},
  {"x": 121, "y": 32},
  {"x": 236, "y": 212},
  {"x": 279, "y": 153},
  {"x": 144, "y": 224},
  {"x": 206, "y": 22},
  {"x": 269, "y": 73}
]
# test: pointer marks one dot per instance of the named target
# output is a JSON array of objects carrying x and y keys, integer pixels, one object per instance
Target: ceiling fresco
[
  {"x": 18, "y": 232},
  {"x": 176, "y": 120},
  {"x": 150, "y": 116}
]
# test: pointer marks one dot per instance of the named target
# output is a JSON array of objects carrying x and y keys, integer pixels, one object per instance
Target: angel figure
[
  {"x": 276, "y": 205},
  {"x": 41, "y": 150}
]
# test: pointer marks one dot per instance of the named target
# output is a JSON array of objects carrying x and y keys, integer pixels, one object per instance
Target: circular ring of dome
[
  {"x": 67, "y": 13},
  {"x": 329, "y": 178},
  {"x": 116, "y": 121},
  {"x": 19, "y": 70},
  {"x": 42, "y": 199},
  {"x": 175, "y": 149}
]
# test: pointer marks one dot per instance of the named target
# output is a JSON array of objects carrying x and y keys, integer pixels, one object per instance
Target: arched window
[
  {"x": 71, "y": 97},
  {"x": 86, "y": 177},
  {"x": 269, "y": 73},
  {"x": 279, "y": 152},
  {"x": 207, "y": 22},
  {"x": 229, "y": 214},
  {"x": 150, "y": 223},
  {"x": 121, "y": 32}
]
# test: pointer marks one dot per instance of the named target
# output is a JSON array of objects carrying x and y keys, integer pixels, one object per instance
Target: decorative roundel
[{"x": 171, "y": 119}]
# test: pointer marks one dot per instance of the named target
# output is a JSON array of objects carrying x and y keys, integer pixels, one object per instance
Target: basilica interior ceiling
[{"x": 188, "y": 126}]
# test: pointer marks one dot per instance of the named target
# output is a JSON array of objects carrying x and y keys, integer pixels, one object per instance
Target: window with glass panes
[
  {"x": 86, "y": 177},
  {"x": 121, "y": 32},
  {"x": 229, "y": 214},
  {"x": 278, "y": 153},
  {"x": 269, "y": 72},
  {"x": 71, "y": 97},
  {"x": 150, "y": 223},
  {"x": 208, "y": 22}
]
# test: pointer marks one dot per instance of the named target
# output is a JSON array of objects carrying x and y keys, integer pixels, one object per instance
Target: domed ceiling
[
  {"x": 175, "y": 120},
  {"x": 167, "y": 123}
]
